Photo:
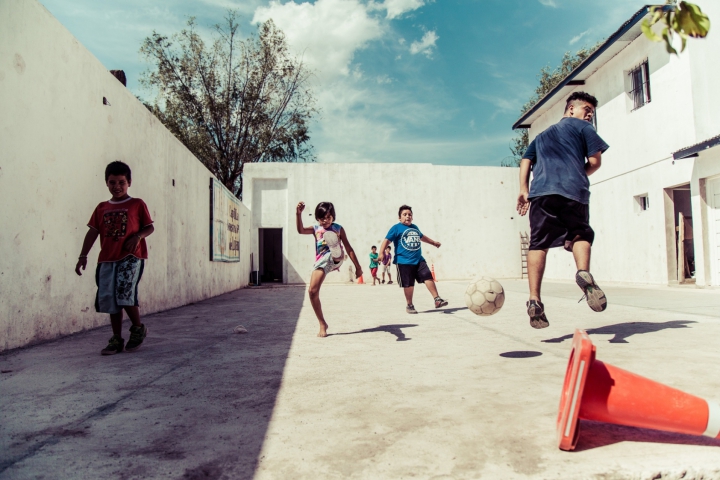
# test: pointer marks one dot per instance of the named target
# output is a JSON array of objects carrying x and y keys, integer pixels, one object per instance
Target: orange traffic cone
[
  {"x": 432, "y": 270},
  {"x": 360, "y": 280},
  {"x": 594, "y": 390}
]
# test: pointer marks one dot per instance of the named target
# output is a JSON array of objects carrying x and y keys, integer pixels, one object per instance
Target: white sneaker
[{"x": 333, "y": 243}]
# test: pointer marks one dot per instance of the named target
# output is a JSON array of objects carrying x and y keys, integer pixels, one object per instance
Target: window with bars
[{"x": 640, "y": 85}]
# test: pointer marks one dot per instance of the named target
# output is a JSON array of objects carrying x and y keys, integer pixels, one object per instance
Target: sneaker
[
  {"x": 137, "y": 335},
  {"x": 595, "y": 297},
  {"x": 383, "y": 281},
  {"x": 390, "y": 282},
  {"x": 410, "y": 309},
  {"x": 115, "y": 345},
  {"x": 536, "y": 312},
  {"x": 439, "y": 302},
  {"x": 333, "y": 243}
]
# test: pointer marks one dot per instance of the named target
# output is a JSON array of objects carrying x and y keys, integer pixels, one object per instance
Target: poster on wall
[{"x": 224, "y": 224}]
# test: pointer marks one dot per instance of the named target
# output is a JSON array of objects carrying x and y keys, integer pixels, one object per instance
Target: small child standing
[
  {"x": 385, "y": 265},
  {"x": 329, "y": 241},
  {"x": 122, "y": 223},
  {"x": 374, "y": 264},
  {"x": 410, "y": 264}
]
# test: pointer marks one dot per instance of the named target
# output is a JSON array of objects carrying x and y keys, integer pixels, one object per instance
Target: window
[
  {"x": 642, "y": 203},
  {"x": 640, "y": 85}
]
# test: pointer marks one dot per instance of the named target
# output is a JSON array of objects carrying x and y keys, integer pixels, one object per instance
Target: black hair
[
  {"x": 373, "y": 247},
  {"x": 388, "y": 247},
  {"x": 582, "y": 96},
  {"x": 324, "y": 209},
  {"x": 404, "y": 207},
  {"x": 118, "y": 168}
]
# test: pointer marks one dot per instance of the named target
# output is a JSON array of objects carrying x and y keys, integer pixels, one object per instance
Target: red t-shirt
[{"x": 116, "y": 221}]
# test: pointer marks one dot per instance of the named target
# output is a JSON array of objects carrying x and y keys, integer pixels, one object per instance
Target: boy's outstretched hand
[
  {"x": 81, "y": 263},
  {"x": 358, "y": 272},
  {"x": 523, "y": 203},
  {"x": 300, "y": 207}
]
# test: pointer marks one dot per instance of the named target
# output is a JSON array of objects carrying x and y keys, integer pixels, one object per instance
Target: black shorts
[
  {"x": 408, "y": 274},
  {"x": 555, "y": 219}
]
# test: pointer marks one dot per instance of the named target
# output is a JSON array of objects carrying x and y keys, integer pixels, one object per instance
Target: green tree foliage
[
  {"x": 684, "y": 19},
  {"x": 548, "y": 79},
  {"x": 234, "y": 102}
]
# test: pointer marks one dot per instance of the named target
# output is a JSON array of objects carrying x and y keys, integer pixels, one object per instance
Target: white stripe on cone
[{"x": 713, "y": 425}]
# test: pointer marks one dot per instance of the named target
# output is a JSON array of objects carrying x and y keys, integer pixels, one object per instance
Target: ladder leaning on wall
[{"x": 524, "y": 247}]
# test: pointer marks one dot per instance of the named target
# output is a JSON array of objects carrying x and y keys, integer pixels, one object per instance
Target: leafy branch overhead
[
  {"x": 684, "y": 19},
  {"x": 233, "y": 102}
]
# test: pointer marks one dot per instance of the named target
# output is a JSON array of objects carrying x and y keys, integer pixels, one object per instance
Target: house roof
[
  {"x": 693, "y": 150},
  {"x": 628, "y": 32}
]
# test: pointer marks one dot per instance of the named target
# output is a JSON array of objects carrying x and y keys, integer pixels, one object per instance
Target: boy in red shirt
[{"x": 122, "y": 223}]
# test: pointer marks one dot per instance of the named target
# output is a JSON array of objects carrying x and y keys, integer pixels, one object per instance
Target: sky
[{"x": 411, "y": 81}]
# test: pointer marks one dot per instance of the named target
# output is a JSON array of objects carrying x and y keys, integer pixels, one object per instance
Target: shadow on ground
[
  {"x": 194, "y": 402},
  {"x": 448, "y": 311},
  {"x": 598, "y": 434},
  {"x": 521, "y": 354},
  {"x": 622, "y": 331},
  {"x": 393, "y": 329}
]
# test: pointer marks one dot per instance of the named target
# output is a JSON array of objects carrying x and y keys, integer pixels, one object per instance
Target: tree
[
  {"x": 548, "y": 79},
  {"x": 235, "y": 102},
  {"x": 684, "y": 19}
]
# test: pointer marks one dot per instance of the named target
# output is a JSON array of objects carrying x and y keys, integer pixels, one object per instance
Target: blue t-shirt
[
  {"x": 558, "y": 159},
  {"x": 407, "y": 244}
]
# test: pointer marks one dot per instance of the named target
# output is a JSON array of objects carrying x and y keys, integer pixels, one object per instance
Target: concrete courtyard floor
[{"x": 441, "y": 394}]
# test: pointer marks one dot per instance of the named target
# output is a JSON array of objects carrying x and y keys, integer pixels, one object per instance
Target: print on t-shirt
[
  {"x": 410, "y": 239},
  {"x": 115, "y": 222}
]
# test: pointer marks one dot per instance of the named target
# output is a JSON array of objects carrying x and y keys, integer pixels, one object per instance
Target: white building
[{"x": 660, "y": 114}]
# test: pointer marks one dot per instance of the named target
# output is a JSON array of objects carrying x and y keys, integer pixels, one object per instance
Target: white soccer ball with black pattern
[{"x": 484, "y": 296}]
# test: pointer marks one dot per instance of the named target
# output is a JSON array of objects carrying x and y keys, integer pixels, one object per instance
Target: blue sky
[{"x": 396, "y": 80}]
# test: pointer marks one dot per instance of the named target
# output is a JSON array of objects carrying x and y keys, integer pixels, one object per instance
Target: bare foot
[{"x": 323, "y": 330}]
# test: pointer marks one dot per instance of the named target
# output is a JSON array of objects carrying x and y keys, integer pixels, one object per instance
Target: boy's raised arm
[
  {"x": 429, "y": 240},
  {"x": 302, "y": 230}
]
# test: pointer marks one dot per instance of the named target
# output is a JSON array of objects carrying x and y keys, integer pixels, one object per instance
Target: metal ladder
[{"x": 524, "y": 247}]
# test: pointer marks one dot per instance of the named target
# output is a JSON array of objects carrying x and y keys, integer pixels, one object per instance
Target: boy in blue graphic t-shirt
[{"x": 411, "y": 266}]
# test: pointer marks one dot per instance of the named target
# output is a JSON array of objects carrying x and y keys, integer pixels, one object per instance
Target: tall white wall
[
  {"x": 470, "y": 210},
  {"x": 56, "y": 138},
  {"x": 632, "y": 246}
]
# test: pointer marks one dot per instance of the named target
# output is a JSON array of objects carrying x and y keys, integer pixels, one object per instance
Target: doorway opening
[
  {"x": 684, "y": 249},
  {"x": 271, "y": 265}
]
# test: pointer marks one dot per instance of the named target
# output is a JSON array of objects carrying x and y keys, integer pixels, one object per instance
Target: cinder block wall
[{"x": 56, "y": 137}]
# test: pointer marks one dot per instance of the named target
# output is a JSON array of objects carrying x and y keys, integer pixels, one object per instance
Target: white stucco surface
[
  {"x": 470, "y": 210},
  {"x": 57, "y": 137}
]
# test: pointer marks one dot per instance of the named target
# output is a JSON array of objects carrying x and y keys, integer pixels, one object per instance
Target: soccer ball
[{"x": 484, "y": 296}]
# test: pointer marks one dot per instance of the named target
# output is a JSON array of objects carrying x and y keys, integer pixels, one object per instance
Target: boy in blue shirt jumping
[
  {"x": 561, "y": 159},
  {"x": 411, "y": 266}
]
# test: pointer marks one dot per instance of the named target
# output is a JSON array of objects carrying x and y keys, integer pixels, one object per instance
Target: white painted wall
[
  {"x": 470, "y": 210},
  {"x": 632, "y": 247},
  {"x": 57, "y": 137}
]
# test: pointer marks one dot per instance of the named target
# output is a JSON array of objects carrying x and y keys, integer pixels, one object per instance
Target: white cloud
[
  {"x": 579, "y": 37},
  {"x": 396, "y": 8},
  {"x": 326, "y": 33},
  {"x": 425, "y": 45},
  {"x": 548, "y": 3}
]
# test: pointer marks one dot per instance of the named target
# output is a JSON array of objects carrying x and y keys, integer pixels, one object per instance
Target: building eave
[
  {"x": 628, "y": 32},
  {"x": 694, "y": 150}
]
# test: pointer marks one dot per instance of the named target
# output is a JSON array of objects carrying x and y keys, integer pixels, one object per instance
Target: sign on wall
[{"x": 224, "y": 224}]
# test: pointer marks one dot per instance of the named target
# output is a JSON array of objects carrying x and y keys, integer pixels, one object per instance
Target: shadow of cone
[{"x": 598, "y": 391}]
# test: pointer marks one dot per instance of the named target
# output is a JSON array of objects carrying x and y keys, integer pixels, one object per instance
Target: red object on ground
[
  {"x": 432, "y": 270},
  {"x": 360, "y": 280},
  {"x": 594, "y": 390}
]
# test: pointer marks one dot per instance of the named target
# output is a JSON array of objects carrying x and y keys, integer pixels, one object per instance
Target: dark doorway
[
  {"x": 270, "y": 255},
  {"x": 683, "y": 210}
]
